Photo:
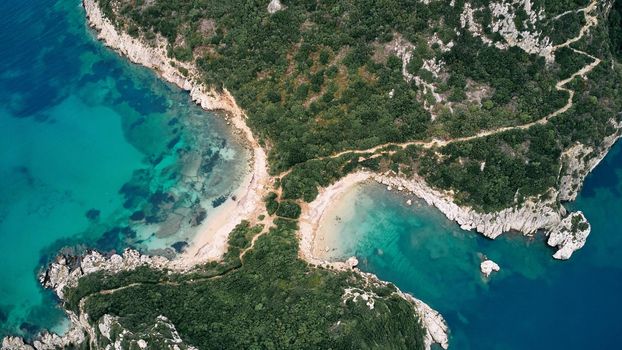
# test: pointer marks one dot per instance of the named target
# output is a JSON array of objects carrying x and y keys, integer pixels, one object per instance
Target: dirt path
[{"x": 590, "y": 21}]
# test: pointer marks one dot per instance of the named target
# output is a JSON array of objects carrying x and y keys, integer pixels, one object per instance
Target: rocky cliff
[{"x": 569, "y": 235}]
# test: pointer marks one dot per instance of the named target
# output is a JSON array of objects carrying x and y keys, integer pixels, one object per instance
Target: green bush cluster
[{"x": 272, "y": 301}]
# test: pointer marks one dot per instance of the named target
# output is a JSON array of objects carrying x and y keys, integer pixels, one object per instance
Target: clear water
[
  {"x": 94, "y": 152},
  {"x": 534, "y": 302}
]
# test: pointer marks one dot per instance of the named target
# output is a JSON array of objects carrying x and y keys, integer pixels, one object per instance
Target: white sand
[
  {"x": 210, "y": 242},
  {"x": 316, "y": 226}
]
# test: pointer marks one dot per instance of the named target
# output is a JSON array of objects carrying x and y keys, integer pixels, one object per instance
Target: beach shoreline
[
  {"x": 315, "y": 212},
  {"x": 210, "y": 241}
]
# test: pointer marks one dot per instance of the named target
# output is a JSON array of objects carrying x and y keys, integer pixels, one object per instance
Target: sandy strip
[
  {"x": 210, "y": 242},
  {"x": 313, "y": 214}
]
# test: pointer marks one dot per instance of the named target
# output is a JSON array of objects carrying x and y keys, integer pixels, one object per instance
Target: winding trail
[{"x": 591, "y": 20}]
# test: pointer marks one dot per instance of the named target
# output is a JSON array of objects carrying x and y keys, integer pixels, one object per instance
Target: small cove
[{"x": 534, "y": 302}]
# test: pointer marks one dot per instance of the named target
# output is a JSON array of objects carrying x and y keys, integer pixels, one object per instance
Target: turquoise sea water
[
  {"x": 534, "y": 302},
  {"x": 94, "y": 152}
]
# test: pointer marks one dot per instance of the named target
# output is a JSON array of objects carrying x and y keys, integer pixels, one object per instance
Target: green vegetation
[
  {"x": 320, "y": 78},
  {"x": 615, "y": 28},
  {"x": 272, "y": 300}
]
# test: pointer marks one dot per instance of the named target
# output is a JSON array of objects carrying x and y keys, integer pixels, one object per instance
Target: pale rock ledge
[{"x": 569, "y": 235}]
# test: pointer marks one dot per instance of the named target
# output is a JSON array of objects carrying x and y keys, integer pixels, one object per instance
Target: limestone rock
[
  {"x": 488, "y": 266},
  {"x": 15, "y": 343},
  {"x": 433, "y": 322},
  {"x": 527, "y": 218},
  {"x": 67, "y": 270},
  {"x": 569, "y": 235},
  {"x": 274, "y": 6},
  {"x": 579, "y": 160},
  {"x": 352, "y": 262}
]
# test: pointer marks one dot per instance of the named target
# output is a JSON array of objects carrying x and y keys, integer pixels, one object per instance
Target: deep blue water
[
  {"x": 94, "y": 151},
  {"x": 535, "y": 302}
]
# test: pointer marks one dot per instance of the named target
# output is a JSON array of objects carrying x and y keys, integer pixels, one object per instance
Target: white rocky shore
[
  {"x": 535, "y": 213},
  {"x": 579, "y": 160},
  {"x": 66, "y": 271},
  {"x": 569, "y": 235},
  {"x": 527, "y": 218},
  {"x": 432, "y": 321}
]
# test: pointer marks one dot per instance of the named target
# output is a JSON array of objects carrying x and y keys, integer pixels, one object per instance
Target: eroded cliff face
[
  {"x": 106, "y": 333},
  {"x": 66, "y": 270},
  {"x": 579, "y": 160},
  {"x": 436, "y": 329},
  {"x": 504, "y": 23},
  {"x": 569, "y": 235},
  {"x": 162, "y": 335},
  {"x": 533, "y": 215}
]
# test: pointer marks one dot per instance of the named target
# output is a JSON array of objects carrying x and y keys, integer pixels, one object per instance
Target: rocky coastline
[
  {"x": 66, "y": 270},
  {"x": 546, "y": 213},
  {"x": 564, "y": 230}
]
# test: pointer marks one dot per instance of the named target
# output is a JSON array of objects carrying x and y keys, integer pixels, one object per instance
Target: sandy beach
[
  {"x": 210, "y": 242},
  {"x": 316, "y": 227}
]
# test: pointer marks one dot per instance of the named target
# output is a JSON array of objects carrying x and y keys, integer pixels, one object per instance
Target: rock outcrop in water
[
  {"x": 436, "y": 330},
  {"x": 544, "y": 213},
  {"x": 488, "y": 266},
  {"x": 569, "y": 235}
]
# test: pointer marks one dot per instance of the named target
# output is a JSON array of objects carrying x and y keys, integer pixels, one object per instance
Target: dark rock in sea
[
  {"x": 30, "y": 329},
  {"x": 209, "y": 161},
  {"x": 133, "y": 192},
  {"x": 173, "y": 121},
  {"x": 4, "y": 314},
  {"x": 200, "y": 215},
  {"x": 152, "y": 219},
  {"x": 110, "y": 240},
  {"x": 128, "y": 232},
  {"x": 93, "y": 214},
  {"x": 173, "y": 142},
  {"x": 157, "y": 159},
  {"x": 180, "y": 246},
  {"x": 137, "y": 215},
  {"x": 160, "y": 197},
  {"x": 218, "y": 201},
  {"x": 137, "y": 123}
]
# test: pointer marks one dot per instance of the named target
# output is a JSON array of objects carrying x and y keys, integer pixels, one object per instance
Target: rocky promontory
[{"x": 569, "y": 235}]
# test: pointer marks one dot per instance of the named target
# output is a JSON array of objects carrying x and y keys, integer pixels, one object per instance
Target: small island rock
[{"x": 488, "y": 266}]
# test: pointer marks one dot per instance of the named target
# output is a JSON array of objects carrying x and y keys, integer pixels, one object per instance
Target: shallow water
[
  {"x": 94, "y": 151},
  {"x": 534, "y": 302}
]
